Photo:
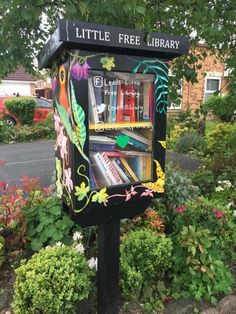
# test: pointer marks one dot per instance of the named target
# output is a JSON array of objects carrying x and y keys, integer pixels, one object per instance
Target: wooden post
[{"x": 108, "y": 268}]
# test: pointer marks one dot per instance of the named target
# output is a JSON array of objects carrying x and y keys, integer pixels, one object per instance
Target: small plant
[
  {"x": 150, "y": 220},
  {"x": 6, "y": 132},
  {"x": 197, "y": 270},
  {"x": 189, "y": 143},
  {"x": 46, "y": 223},
  {"x": 22, "y": 108},
  {"x": 145, "y": 256},
  {"x": 53, "y": 281},
  {"x": 2, "y": 250}
]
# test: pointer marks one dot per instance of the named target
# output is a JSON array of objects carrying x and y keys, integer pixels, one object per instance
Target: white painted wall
[{"x": 10, "y": 87}]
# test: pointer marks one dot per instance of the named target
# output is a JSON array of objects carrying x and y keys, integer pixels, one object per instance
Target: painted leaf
[
  {"x": 107, "y": 63},
  {"x": 79, "y": 117}
]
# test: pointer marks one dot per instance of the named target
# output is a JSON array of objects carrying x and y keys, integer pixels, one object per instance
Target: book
[
  {"x": 101, "y": 139},
  {"x": 120, "y": 171},
  {"x": 137, "y": 136},
  {"x": 114, "y": 103},
  {"x": 146, "y": 105},
  {"x": 124, "y": 170},
  {"x": 102, "y": 147},
  {"x": 120, "y": 102},
  {"x": 129, "y": 103},
  {"x": 100, "y": 170},
  {"x": 111, "y": 169},
  {"x": 129, "y": 169}
]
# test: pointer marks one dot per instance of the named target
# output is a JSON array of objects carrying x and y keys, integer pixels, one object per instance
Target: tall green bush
[
  {"x": 53, "y": 281},
  {"x": 190, "y": 142},
  {"x": 22, "y": 108},
  {"x": 223, "y": 107},
  {"x": 145, "y": 256}
]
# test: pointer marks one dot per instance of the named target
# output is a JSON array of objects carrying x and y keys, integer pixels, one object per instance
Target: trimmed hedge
[{"x": 22, "y": 108}]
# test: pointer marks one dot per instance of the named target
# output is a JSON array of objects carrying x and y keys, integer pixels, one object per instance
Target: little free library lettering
[{"x": 110, "y": 100}]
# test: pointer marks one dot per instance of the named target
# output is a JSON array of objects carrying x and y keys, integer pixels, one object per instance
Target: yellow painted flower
[
  {"x": 107, "y": 63},
  {"x": 81, "y": 191},
  {"x": 163, "y": 144},
  {"x": 101, "y": 196}
]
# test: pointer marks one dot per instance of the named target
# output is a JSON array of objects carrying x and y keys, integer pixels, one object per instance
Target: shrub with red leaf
[{"x": 13, "y": 200}]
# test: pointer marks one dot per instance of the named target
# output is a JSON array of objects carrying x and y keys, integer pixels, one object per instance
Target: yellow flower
[
  {"x": 101, "y": 196},
  {"x": 81, "y": 191},
  {"x": 107, "y": 63}
]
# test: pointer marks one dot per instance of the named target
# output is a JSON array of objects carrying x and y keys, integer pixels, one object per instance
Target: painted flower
[
  {"x": 218, "y": 214},
  {"x": 54, "y": 84},
  {"x": 101, "y": 196},
  {"x": 85, "y": 69},
  {"x": 180, "y": 209},
  {"x": 147, "y": 192},
  {"x": 77, "y": 236},
  {"x": 63, "y": 146},
  {"x": 92, "y": 263},
  {"x": 79, "y": 71},
  {"x": 68, "y": 181},
  {"x": 81, "y": 191},
  {"x": 107, "y": 63},
  {"x": 57, "y": 121},
  {"x": 80, "y": 248}
]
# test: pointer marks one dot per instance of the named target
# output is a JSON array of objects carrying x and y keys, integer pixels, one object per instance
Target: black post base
[{"x": 108, "y": 268}]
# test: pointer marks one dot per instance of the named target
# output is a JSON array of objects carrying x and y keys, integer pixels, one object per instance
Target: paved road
[
  {"x": 28, "y": 159},
  {"x": 37, "y": 159}
]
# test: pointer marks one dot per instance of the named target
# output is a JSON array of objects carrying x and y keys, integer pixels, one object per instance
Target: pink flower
[
  {"x": 3, "y": 185},
  {"x": 79, "y": 72},
  {"x": 63, "y": 146},
  {"x": 180, "y": 209},
  {"x": 56, "y": 121},
  {"x": 219, "y": 214},
  {"x": 68, "y": 181},
  {"x": 85, "y": 68},
  {"x": 147, "y": 192},
  {"x": 130, "y": 193}
]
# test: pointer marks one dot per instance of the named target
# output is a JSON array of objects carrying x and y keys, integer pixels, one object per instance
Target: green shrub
[
  {"x": 197, "y": 270},
  {"x": 22, "y": 108},
  {"x": 2, "y": 250},
  {"x": 145, "y": 256},
  {"x": 24, "y": 133},
  {"x": 46, "y": 223},
  {"x": 48, "y": 124},
  {"x": 53, "y": 281},
  {"x": 223, "y": 107},
  {"x": 179, "y": 189},
  {"x": 6, "y": 132},
  {"x": 205, "y": 180},
  {"x": 190, "y": 142},
  {"x": 212, "y": 215}
]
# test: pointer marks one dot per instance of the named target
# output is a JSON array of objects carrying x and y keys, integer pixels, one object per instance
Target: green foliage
[
  {"x": 46, "y": 223},
  {"x": 205, "y": 180},
  {"x": 2, "y": 250},
  {"x": 24, "y": 133},
  {"x": 53, "y": 281},
  {"x": 223, "y": 107},
  {"x": 190, "y": 142},
  {"x": 6, "y": 132},
  {"x": 211, "y": 215},
  {"x": 197, "y": 271},
  {"x": 145, "y": 256},
  {"x": 25, "y": 31},
  {"x": 221, "y": 149},
  {"x": 48, "y": 126},
  {"x": 179, "y": 189},
  {"x": 22, "y": 108}
]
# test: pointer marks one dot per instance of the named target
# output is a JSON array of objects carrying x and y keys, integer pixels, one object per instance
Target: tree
[{"x": 22, "y": 33}]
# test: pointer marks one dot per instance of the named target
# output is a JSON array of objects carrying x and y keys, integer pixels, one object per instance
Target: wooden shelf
[{"x": 116, "y": 125}]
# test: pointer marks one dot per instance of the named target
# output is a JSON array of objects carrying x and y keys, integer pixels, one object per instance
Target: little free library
[{"x": 110, "y": 90}]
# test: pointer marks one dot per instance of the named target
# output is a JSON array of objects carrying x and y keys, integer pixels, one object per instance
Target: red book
[
  {"x": 120, "y": 103},
  {"x": 129, "y": 103}
]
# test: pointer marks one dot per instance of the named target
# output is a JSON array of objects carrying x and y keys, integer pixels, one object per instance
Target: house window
[{"x": 212, "y": 85}]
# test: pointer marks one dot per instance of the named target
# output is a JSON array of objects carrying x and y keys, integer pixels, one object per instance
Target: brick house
[
  {"x": 18, "y": 82},
  {"x": 211, "y": 77}
]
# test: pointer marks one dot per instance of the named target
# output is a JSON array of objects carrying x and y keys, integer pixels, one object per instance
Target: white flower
[
  {"x": 227, "y": 183},
  {"x": 80, "y": 248},
  {"x": 219, "y": 188},
  {"x": 77, "y": 236},
  {"x": 58, "y": 243},
  {"x": 229, "y": 204},
  {"x": 93, "y": 263},
  {"x": 234, "y": 213}
]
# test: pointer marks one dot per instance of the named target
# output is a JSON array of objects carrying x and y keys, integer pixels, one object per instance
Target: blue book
[{"x": 114, "y": 104}]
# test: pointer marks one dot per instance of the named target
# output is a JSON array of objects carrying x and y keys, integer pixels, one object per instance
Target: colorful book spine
[
  {"x": 102, "y": 169},
  {"x": 129, "y": 169},
  {"x": 146, "y": 113},
  {"x": 112, "y": 170},
  {"x": 114, "y": 104},
  {"x": 102, "y": 147},
  {"x": 120, "y": 171},
  {"x": 120, "y": 164},
  {"x": 120, "y": 103}
]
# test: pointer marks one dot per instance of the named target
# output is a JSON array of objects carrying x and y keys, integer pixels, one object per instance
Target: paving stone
[
  {"x": 227, "y": 305},
  {"x": 211, "y": 310}
]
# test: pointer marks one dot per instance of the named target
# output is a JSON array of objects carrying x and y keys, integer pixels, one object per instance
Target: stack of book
[
  {"x": 112, "y": 165},
  {"x": 120, "y": 101}
]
